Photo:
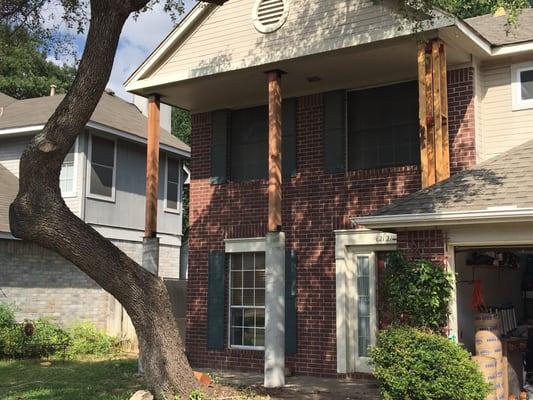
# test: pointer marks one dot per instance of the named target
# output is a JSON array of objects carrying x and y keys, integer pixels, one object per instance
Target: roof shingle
[
  {"x": 497, "y": 30},
  {"x": 503, "y": 181},
  {"x": 111, "y": 111}
]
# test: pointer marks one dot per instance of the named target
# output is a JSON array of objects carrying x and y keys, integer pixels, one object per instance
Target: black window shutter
[
  {"x": 290, "y": 302},
  {"x": 215, "y": 303},
  {"x": 219, "y": 146},
  {"x": 288, "y": 154},
  {"x": 334, "y": 131}
]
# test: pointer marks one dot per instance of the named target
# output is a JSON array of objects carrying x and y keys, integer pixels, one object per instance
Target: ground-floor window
[{"x": 247, "y": 300}]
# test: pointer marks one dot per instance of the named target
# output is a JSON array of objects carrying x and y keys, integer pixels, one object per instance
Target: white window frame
[
  {"x": 89, "y": 170},
  {"x": 248, "y": 245},
  {"x": 180, "y": 189},
  {"x": 74, "y": 192},
  {"x": 516, "y": 86}
]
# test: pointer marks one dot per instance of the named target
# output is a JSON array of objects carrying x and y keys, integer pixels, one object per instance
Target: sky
[{"x": 139, "y": 38}]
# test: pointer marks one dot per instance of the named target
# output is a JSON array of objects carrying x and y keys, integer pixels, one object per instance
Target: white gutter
[
  {"x": 446, "y": 218},
  {"x": 103, "y": 128},
  {"x": 135, "y": 138}
]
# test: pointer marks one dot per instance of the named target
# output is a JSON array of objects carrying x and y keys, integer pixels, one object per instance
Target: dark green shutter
[
  {"x": 288, "y": 151},
  {"x": 215, "y": 303},
  {"x": 219, "y": 146},
  {"x": 334, "y": 131},
  {"x": 290, "y": 302}
]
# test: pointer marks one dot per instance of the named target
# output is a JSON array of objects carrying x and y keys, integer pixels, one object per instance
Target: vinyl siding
[
  {"x": 228, "y": 40},
  {"x": 10, "y": 152},
  {"x": 502, "y": 128}
]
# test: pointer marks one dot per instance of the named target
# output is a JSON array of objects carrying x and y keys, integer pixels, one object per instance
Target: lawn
[{"x": 69, "y": 380}]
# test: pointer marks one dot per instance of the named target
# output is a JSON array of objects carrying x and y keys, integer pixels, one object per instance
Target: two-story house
[
  {"x": 308, "y": 116},
  {"x": 103, "y": 181}
]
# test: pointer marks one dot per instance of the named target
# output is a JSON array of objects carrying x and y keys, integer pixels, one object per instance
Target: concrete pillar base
[
  {"x": 275, "y": 310},
  {"x": 150, "y": 259}
]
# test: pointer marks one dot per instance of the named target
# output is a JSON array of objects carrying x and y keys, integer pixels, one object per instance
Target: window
[
  {"x": 102, "y": 156},
  {"x": 383, "y": 127},
  {"x": 522, "y": 86},
  {"x": 67, "y": 177},
  {"x": 172, "y": 189},
  {"x": 247, "y": 300},
  {"x": 249, "y": 144}
]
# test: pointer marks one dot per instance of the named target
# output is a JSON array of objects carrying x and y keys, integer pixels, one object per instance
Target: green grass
[{"x": 69, "y": 380}]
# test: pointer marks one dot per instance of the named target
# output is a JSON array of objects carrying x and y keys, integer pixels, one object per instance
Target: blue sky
[{"x": 139, "y": 38}]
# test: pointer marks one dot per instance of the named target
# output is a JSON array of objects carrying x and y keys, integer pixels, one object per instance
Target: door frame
[{"x": 347, "y": 244}]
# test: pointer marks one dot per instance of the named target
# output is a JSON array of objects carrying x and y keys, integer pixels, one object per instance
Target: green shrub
[
  {"x": 7, "y": 315},
  {"x": 417, "y": 293},
  {"x": 86, "y": 339},
  {"x": 41, "y": 338},
  {"x": 415, "y": 365}
]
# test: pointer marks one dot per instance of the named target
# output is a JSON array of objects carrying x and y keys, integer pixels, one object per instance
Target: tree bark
[{"x": 40, "y": 215}]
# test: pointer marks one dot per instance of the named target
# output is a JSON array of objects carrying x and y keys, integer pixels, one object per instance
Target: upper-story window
[
  {"x": 67, "y": 178},
  {"x": 383, "y": 127},
  {"x": 522, "y": 86},
  {"x": 172, "y": 188},
  {"x": 102, "y": 171},
  {"x": 248, "y": 144}
]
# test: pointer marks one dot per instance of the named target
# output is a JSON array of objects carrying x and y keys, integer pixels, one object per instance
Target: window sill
[
  {"x": 101, "y": 198},
  {"x": 523, "y": 105},
  {"x": 171, "y": 211},
  {"x": 251, "y": 348}
]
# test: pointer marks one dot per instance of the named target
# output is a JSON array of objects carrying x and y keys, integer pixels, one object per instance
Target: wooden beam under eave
[
  {"x": 274, "y": 151},
  {"x": 152, "y": 165},
  {"x": 433, "y": 112}
]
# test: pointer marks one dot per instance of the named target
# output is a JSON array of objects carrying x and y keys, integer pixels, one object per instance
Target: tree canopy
[{"x": 25, "y": 71}]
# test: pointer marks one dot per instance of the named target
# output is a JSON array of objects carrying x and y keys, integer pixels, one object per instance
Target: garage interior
[{"x": 498, "y": 281}]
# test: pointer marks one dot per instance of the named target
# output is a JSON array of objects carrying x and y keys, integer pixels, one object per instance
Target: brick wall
[
  {"x": 461, "y": 118},
  {"x": 423, "y": 245},
  {"x": 314, "y": 205},
  {"x": 39, "y": 282}
]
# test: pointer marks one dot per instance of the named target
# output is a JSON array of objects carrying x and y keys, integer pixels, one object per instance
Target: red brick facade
[{"x": 314, "y": 205}]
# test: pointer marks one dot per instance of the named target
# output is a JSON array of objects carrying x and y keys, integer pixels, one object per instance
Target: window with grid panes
[{"x": 247, "y": 300}]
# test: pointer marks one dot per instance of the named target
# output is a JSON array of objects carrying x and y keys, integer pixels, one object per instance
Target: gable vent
[{"x": 270, "y": 15}]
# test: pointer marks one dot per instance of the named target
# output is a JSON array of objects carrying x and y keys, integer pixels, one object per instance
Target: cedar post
[
  {"x": 274, "y": 151},
  {"x": 152, "y": 166},
  {"x": 433, "y": 112}
]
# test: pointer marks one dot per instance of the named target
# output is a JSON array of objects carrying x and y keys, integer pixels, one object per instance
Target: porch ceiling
[{"x": 359, "y": 67}]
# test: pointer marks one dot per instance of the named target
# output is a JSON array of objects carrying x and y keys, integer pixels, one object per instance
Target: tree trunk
[{"x": 40, "y": 215}]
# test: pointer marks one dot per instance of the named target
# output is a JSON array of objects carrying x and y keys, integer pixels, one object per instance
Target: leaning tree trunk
[{"x": 40, "y": 215}]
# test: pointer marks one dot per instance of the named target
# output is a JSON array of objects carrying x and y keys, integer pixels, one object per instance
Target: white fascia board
[
  {"x": 181, "y": 30},
  {"x": 515, "y": 48},
  {"x": 446, "y": 218},
  {"x": 21, "y": 129},
  {"x": 135, "y": 138},
  {"x": 481, "y": 42}
]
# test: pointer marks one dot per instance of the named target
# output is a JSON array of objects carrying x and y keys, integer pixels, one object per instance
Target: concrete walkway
[{"x": 302, "y": 387}]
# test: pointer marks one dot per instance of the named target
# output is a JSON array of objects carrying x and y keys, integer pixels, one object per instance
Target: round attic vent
[{"x": 270, "y": 15}]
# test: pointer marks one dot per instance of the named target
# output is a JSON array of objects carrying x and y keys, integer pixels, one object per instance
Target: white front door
[{"x": 364, "y": 308}]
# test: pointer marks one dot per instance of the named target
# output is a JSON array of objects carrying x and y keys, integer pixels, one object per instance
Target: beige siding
[
  {"x": 227, "y": 39},
  {"x": 502, "y": 127},
  {"x": 10, "y": 153}
]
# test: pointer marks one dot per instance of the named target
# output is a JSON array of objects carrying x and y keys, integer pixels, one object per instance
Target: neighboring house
[
  {"x": 351, "y": 144},
  {"x": 103, "y": 182}
]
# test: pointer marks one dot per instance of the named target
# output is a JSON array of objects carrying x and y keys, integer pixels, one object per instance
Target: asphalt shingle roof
[
  {"x": 111, "y": 111},
  {"x": 502, "y": 181},
  {"x": 497, "y": 31},
  {"x": 9, "y": 186}
]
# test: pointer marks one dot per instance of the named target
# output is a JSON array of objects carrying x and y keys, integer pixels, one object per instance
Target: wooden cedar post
[
  {"x": 274, "y": 151},
  {"x": 433, "y": 112},
  {"x": 152, "y": 166}
]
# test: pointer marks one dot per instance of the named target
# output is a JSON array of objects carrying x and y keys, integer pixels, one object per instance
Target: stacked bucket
[{"x": 489, "y": 354}]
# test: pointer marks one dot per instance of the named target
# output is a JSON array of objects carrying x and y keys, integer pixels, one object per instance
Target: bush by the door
[
  {"x": 416, "y": 365},
  {"x": 417, "y": 293}
]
